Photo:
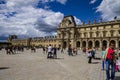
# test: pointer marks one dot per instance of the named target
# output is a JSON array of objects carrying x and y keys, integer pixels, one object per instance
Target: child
[{"x": 117, "y": 66}]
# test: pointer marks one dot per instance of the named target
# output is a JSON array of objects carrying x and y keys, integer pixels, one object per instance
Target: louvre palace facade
[{"x": 96, "y": 34}]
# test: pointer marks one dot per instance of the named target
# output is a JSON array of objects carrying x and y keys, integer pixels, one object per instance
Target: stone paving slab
[{"x": 35, "y": 66}]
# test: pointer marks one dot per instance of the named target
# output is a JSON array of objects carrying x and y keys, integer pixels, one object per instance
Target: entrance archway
[
  {"x": 113, "y": 41},
  {"x": 64, "y": 44},
  {"x": 97, "y": 44},
  {"x": 78, "y": 44},
  {"x": 83, "y": 44},
  {"x": 90, "y": 44},
  {"x": 104, "y": 43}
]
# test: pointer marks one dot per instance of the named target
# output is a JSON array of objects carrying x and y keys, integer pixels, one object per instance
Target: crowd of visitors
[{"x": 109, "y": 55}]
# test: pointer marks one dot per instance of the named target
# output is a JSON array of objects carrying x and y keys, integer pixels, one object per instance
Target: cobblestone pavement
[{"x": 35, "y": 66}]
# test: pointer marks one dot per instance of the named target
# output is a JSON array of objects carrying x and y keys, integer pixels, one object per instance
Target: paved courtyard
[{"x": 35, "y": 66}]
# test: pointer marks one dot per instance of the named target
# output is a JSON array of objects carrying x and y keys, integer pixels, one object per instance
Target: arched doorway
[
  {"x": 83, "y": 44},
  {"x": 78, "y": 44},
  {"x": 97, "y": 44},
  {"x": 90, "y": 44},
  {"x": 112, "y": 41},
  {"x": 64, "y": 44},
  {"x": 104, "y": 43}
]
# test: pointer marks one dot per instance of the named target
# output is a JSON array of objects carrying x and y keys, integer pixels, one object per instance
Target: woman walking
[
  {"x": 103, "y": 61},
  {"x": 90, "y": 55}
]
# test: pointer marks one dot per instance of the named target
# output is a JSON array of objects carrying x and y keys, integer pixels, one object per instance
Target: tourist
[
  {"x": 11, "y": 49},
  {"x": 94, "y": 52},
  {"x": 62, "y": 50},
  {"x": 103, "y": 61},
  {"x": 90, "y": 51},
  {"x": 75, "y": 51},
  {"x": 49, "y": 51},
  {"x": 109, "y": 58},
  {"x": 119, "y": 52},
  {"x": 33, "y": 49},
  {"x": 70, "y": 51},
  {"x": 117, "y": 66},
  {"x": 54, "y": 52},
  {"x": 43, "y": 49},
  {"x": 84, "y": 50},
  {"x": 46, "y": 49},
  {"x": 7, "y": 50}
]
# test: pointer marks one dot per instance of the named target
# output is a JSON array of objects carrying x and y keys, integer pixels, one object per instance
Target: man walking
[{"x": 109, "y": 57}]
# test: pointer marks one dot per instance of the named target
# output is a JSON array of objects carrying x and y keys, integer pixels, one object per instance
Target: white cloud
[
  {"x": 92, "y": 1},
  {"x": 25, "y": 19},
  {"x": 109, "y": 9},
  {"x": 62, "y": 1}
]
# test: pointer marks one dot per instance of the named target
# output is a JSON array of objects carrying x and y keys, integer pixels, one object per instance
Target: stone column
[
  {"x": 117, "y": 42},
  {"x": 86, "y": 44},
  {"x": 100, "y": 45},
  {"x": 108, "y": 42},
  {"x": 81, "y": 44}
]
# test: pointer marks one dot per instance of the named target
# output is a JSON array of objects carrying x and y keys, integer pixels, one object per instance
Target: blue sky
[{"x": 33, "y": 18}]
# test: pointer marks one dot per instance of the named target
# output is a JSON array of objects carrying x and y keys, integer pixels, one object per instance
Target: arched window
[
  {"x": 84, "y": 44},
  {"x": 90, "y": 44},
  {"x": 78, "y": 44}
]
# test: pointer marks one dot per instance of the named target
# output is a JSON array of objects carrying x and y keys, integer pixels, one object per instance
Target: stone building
[
  {"x": 88, "y": 35},
  {"x": 95, "y": 34}
]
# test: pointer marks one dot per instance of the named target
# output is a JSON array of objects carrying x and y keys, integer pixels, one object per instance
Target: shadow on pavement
[
  {"x": 59, "y": 58},
  {"x": 95, "y": 62},
  {"x": 97, "y": 58},
  {"x": 2, "y": 68}
]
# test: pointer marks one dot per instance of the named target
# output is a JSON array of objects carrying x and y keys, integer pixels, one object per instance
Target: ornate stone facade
[
  {"x": 88, "y": 35},
  {"x": 85, "y": 35}
]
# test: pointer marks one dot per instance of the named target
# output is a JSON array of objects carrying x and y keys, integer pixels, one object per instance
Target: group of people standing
[
  {"x": 10, "y": 49},
  {"x": 72, "y": 51},
  {"x": 52, "y": 52}
]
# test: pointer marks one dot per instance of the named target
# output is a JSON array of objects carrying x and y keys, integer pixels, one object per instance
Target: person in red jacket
[{"x": 109, "y": 59}]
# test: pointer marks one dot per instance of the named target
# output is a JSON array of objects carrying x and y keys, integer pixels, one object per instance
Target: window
[
  {"x": 90, "y": 34},
  {"x": 118, "y": 32},
  {"x": 111, "y": 33},
  {"x": 104, "y": 33},
  {"x": 84, "y": 34},
  {"x": 97, "y": 34}
]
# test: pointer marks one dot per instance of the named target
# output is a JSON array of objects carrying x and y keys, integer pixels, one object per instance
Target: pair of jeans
[
  {"x": 110, "y": 63},
  {"x": 70, "y": 54},
  {"x": 103, "y": 62}
]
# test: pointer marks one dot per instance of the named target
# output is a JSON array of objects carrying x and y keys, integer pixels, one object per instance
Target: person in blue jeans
[
  {"x": 103, "y": 61},
  {"x": 109, "y": 57}
]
